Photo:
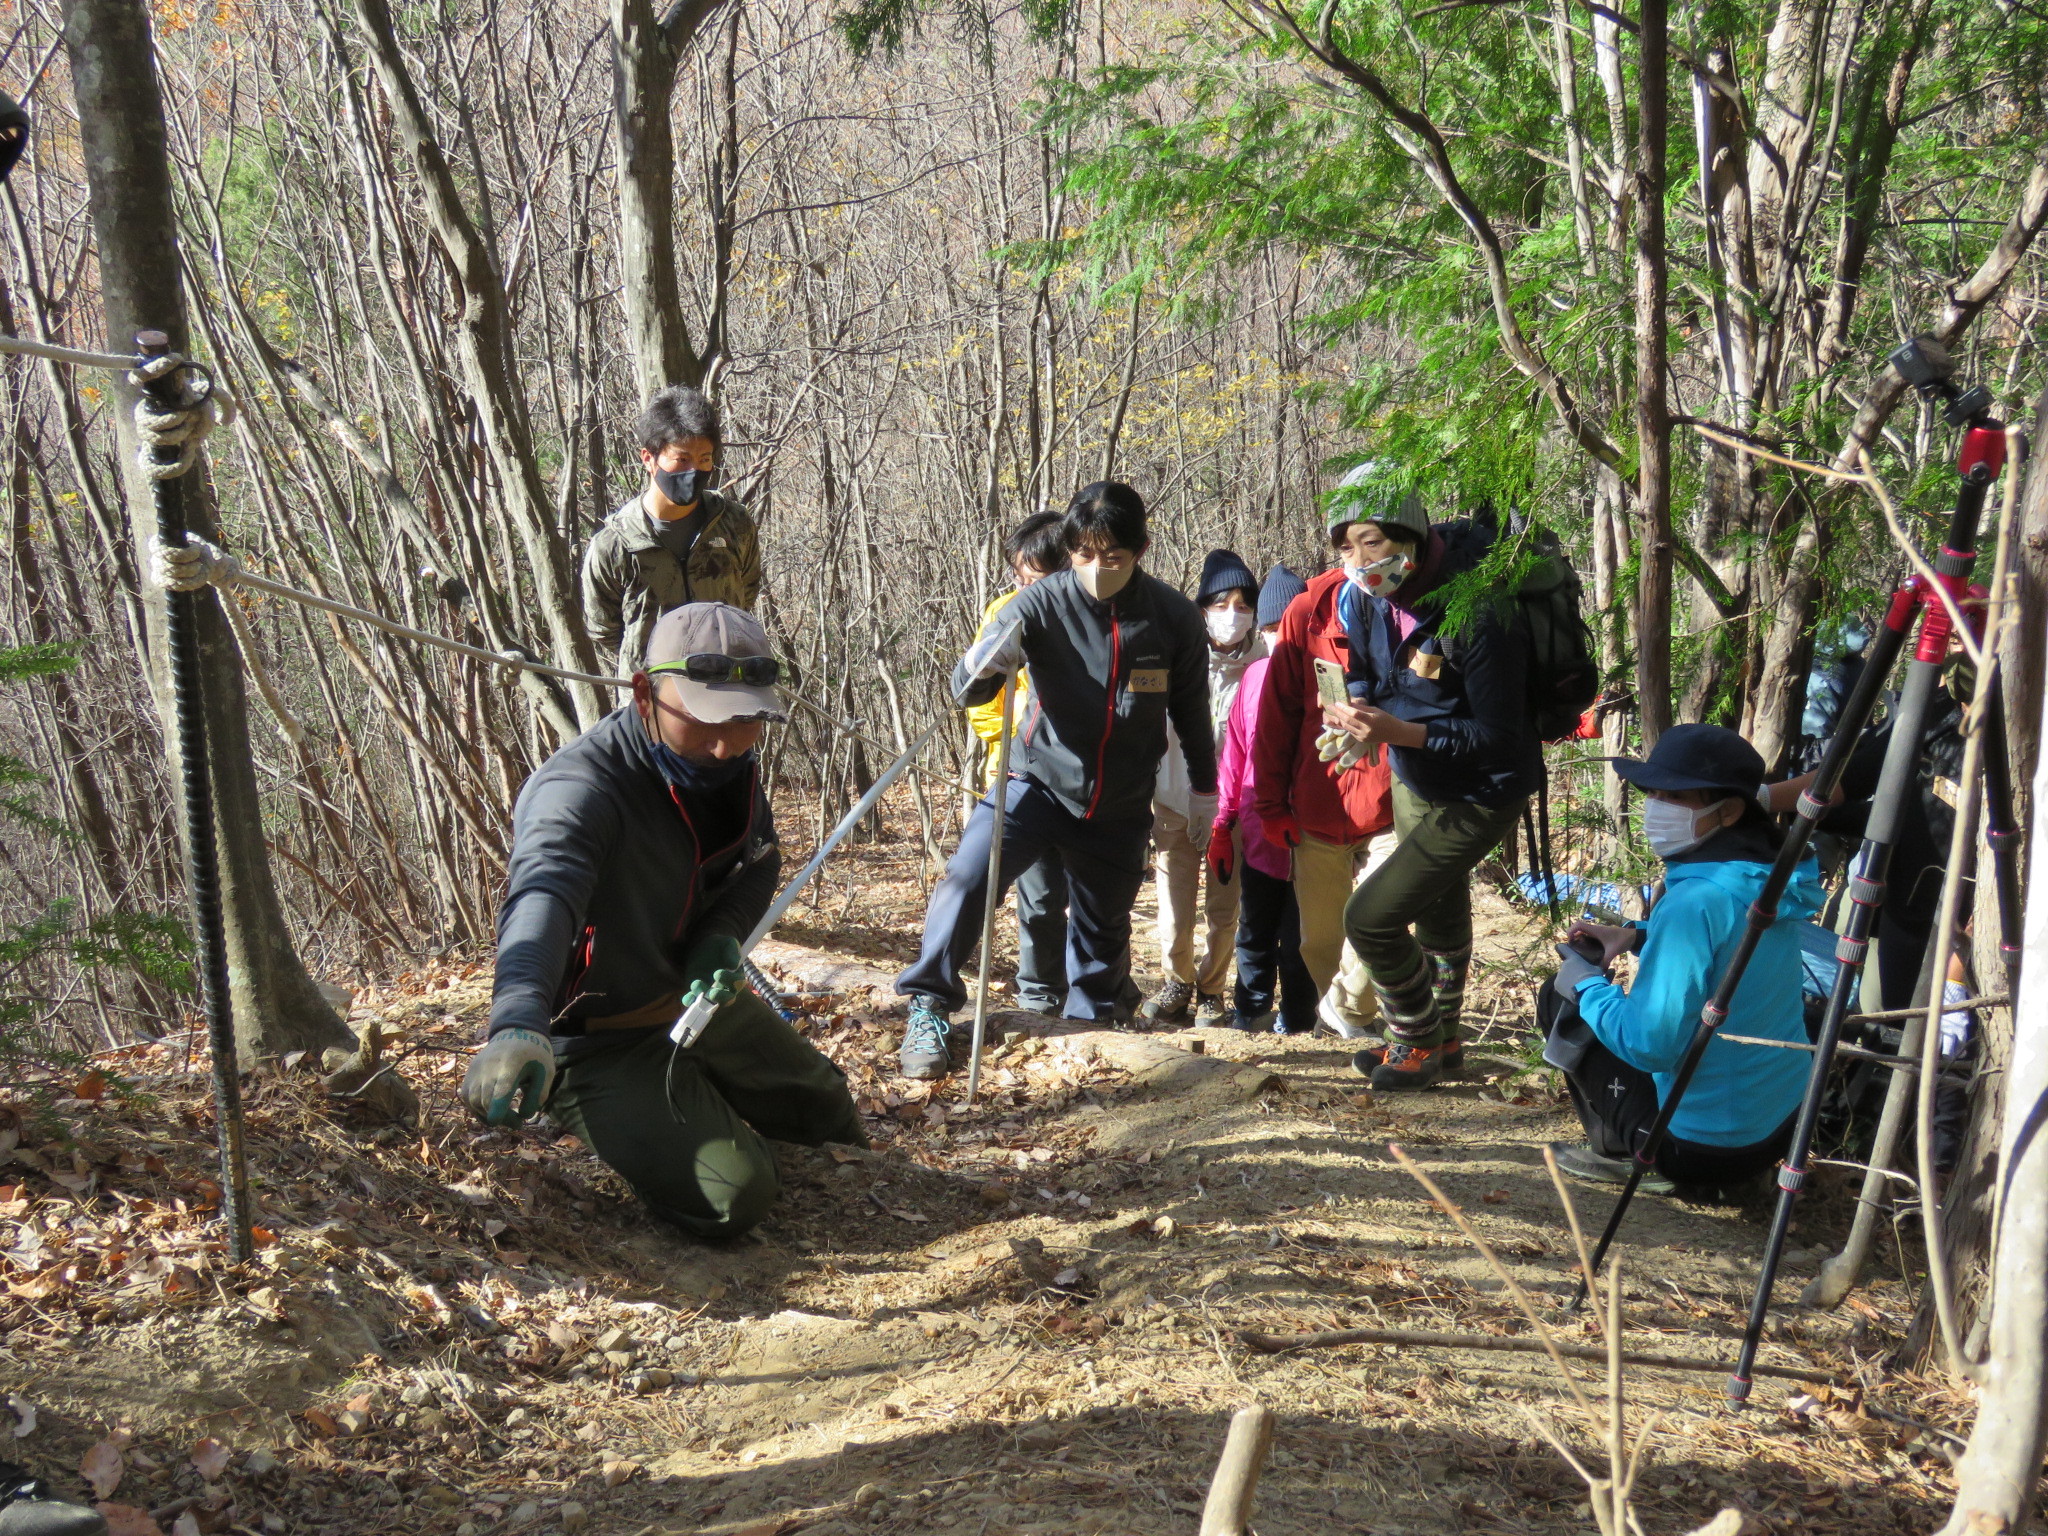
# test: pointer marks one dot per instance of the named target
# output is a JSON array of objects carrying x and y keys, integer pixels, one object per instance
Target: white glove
[
  {"x": 194, "y": 564},
  {"x": 1345, "y": 750},
  {"x": 1331, "y": 744},
  {"x": 998, "y": 649},
  {"x": 1201, "y": 817},
  {"x": 513, "y": 1062}
]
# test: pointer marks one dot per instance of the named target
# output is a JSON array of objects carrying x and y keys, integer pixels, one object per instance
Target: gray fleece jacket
[
  {"x": 612, "y": 882},
  {"x": 1105, "y": 679}
]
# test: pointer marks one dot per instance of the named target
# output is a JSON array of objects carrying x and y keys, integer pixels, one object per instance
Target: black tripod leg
[
  {"x": 2002, "y": 832},
  {"x": 1549, "y": 874}
]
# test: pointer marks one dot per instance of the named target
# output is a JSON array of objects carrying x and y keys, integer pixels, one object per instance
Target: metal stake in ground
[
  {"x": 991, "y": 896},
  {"x": 173, "y": 391}
]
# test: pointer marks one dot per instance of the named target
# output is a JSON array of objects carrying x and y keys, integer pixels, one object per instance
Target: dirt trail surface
[{"x": 1020, "y": 1317}]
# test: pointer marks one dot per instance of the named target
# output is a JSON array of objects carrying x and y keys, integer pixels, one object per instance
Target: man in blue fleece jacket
[{"x": 1700, "y": 815}]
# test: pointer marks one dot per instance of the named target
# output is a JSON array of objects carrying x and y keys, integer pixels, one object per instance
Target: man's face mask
[
  {"x": 1101, "y": 583},
  {"x": 1228, "y": 626},
  {"x": 681, "y": 486},
  {"x": 1671, "y": 829}
]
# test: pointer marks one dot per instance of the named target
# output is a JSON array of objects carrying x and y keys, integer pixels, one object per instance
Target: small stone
[
  {"x": 260, "y": 1464},
  {"x": 854, "y": 1170},
  {"x": 468, "y": 1527},
  {"x": 418, "y": 1395},
  {"x": 526, "y": 1513},
  {"x": 650, "y": 1381},
  {"x": 688, "y": 1378},
  {"x": 866, "y": 1494},
  {"x": 275, "y": 1524},
  {"x": 517, "y": 1416},
  {"x": 574, "y": 1517},
  {"x": 618, "y": 1357},
  {"x": 676, "y": 1343},
  {"x": 590, "y": 1433},
  {"x": 616, "y": 1338}
]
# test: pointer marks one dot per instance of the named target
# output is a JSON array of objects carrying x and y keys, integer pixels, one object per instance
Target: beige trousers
[
  {"x": 1324, "y": 875},
  {"x": 1189, "y": 899}
]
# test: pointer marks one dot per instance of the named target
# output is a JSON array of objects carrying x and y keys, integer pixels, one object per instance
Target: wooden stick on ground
[
  {"x": 1229, "y": 1504},
  {"x": 1521, "y": 1344}
]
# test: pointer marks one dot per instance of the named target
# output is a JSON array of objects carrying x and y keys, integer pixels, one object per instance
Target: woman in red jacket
[{"x": 1328, "y": 814}]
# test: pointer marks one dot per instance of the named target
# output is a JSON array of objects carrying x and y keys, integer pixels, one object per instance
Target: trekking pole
[
  {"x": 1983, "y": 452},
  {"x": 167, "y": 465},
  {"x": 1927, "y": 368},
  {"x": 992, "y": 894},
  {"x": 698, "y": 1014}
]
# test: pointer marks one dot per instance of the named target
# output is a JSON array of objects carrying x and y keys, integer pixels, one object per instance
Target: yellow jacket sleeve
[{"x": 986, "y": 720}]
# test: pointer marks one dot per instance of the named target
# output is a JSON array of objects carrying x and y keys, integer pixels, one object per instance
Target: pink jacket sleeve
[{"x": 1234, "y": 771}]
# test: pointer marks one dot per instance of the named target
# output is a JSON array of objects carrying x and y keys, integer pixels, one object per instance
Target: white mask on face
[
  {"x": 1227, "y": 626},
  {"x": 1671, "y": 829},
  {"x": 1102, "y": 584}
]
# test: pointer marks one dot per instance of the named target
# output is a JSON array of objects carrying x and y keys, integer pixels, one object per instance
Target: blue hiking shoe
[{"x": 927, "y": 1035}]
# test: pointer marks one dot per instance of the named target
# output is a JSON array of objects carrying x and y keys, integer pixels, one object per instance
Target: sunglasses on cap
[{"x": 709, "y": 667}]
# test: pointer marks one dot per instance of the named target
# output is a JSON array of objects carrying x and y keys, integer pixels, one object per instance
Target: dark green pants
[
  {"x": 1426, "y": 886},
  {"x": 689, "y": 1130}
]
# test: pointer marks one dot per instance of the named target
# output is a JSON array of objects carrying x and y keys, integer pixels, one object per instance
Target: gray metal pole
[{"x": 991, "y": 896}]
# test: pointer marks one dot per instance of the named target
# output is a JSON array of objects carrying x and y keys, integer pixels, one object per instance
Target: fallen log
[{"x": 1521, "y": 1344}]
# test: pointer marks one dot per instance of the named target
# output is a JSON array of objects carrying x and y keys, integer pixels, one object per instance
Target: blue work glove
[
  {"x": 1573, "y": 969},
  {"x": 711, "y": 969},
  {"x": 513, "y": 1064}
]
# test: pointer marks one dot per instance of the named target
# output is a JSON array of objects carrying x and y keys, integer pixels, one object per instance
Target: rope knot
[
  {"x": 192, "y": 565},
  {"x": 181, "y": 427}
]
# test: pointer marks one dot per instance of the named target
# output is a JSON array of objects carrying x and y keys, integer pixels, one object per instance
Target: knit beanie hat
[
  {"x": 1282, "y": 587},
  {"x": 1373, "y": 493},
  {"x": 1223, "y": 570}
]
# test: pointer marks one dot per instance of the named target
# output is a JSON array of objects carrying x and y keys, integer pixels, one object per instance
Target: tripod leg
[
  {"x": 2002, "y": 832},
  {"x": 1838, "y": 1276}
]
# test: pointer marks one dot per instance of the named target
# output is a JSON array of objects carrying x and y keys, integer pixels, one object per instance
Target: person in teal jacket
[{"x": 1620, "y": 1048}]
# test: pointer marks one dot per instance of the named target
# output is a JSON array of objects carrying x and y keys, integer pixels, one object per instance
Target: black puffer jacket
[
  {"x": 610, "y": 884},
  {"x": 1105, "y": 678}
]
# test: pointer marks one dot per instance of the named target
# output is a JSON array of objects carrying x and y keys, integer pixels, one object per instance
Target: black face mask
[{"x": 682, "y": 486}]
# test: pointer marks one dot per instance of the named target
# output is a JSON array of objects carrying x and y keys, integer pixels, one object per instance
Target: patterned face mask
[{"x": 1381, "y": 577}]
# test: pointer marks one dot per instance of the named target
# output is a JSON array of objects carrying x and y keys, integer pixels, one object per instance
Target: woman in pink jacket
[{"x": 1268, "y": 922}]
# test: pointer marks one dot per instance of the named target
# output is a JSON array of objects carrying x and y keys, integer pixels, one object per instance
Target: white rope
[
  {"x": 22, "y": 346},
  {"x": 183, "y": 427},
  {"x": 201, "y": 564}
]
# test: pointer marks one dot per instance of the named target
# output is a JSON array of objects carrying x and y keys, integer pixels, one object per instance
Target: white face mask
[
  {"x": 1228, "y": 626},
  {"x": 1671, "y": 829},
  {"x": 1102, "y": 584}
]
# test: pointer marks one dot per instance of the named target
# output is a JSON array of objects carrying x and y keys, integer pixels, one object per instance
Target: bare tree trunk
[
  {"x": 645, "y": 49},
  {"x": 1653, "y": 416},
  {"x": 121, "y": 127},
  {"x": 2000, "y": 1471}
]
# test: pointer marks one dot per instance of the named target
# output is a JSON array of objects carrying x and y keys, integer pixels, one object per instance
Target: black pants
[
  {"x": 1269, "y": 953},
  {"x": 1617, "y": 1103}
]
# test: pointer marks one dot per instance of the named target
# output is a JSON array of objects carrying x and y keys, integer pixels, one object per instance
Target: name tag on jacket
[{"x": 1148, "y": 680}]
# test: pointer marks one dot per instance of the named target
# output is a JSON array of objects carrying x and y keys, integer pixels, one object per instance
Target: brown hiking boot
[
  {"x": 1169, "y": 1004},
  {"x": 1368, "y": 1060},
  {"x": 1406, "y": 1067}
]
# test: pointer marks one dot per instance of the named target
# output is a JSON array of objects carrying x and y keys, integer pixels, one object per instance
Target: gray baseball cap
[{"x": 720, "y": 659}]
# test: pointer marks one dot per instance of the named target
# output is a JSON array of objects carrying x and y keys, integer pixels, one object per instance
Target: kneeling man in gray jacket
[{"x": 642, "y": 854}]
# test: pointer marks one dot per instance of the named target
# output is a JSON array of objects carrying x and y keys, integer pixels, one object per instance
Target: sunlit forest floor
[{"x": 1019, "y": 1317}]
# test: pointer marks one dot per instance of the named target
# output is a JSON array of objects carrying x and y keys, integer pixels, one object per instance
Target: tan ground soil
[{"x": 1018, "y": 1317}]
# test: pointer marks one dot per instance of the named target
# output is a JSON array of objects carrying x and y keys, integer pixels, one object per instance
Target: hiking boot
[
  {"x": 1328, "y": 1018},
  {"x": 1401, "y": 1067},
  {"x": 1169, "y": 1004},
  {"x": 1250, "y": 1023},
  {"x": 927, "y": 1036},
  {"x": 1582, "y": 1162},
  {"x": 1211, "y": 1010},
  {"x": 1453, "y": 1058},
  {"x": 29, "y": 1507}
]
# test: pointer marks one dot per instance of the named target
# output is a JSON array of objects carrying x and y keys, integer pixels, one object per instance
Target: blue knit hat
[
  {"x": 1282, "y": 587},
  {"x": 1223, "y": 571}
]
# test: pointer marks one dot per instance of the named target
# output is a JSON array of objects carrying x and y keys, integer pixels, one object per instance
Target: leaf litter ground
[{"x": 1016, "y": 1318}]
